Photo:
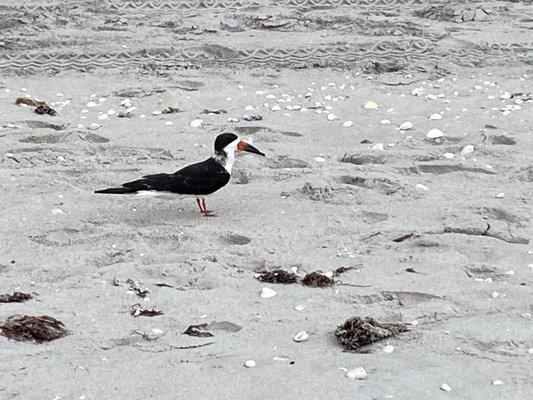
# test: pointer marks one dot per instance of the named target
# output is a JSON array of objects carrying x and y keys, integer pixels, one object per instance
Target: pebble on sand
[
  {"x": 301, "y": 336},
  {"x": 196, "y": 123},
  {"x": 467, "y": 150},
  {"x": 406, "y": 126},
  {"x": 370, "y": 105},
  {"x": 388, "y": 349},
  {"x": 249, "y": 363},
  {"x": 267, "y": 293},
  {"x": 356, "y": 373},
  {"x": 445, "y": 387},
  {"x": 434, "y": 133}
]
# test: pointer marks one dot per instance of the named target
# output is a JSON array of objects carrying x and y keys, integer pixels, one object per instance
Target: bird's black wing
[{"x": 197, "y": 179}]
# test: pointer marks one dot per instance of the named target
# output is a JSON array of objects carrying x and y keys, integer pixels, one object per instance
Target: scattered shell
[
  {"x": 111, "y": 112},
  {"x": 384, "y": 122},
  {"x": 435, "y": 116},
  {"x": 332, "y": 116},
  {"x": 57, "y": 211},
  {"x": 276, "y": 108},
  {"x": 421, "y": 187},
  {"x": 347, "y": 124},
  {"x": 249, "y": 364},
  {"x": 267, "y": 293},
  {"x": 249, "y": 108},
  {"x": 497, "y": 382},
  {"x": 370, "y": 105},
  {"x": 102, "y": 117},
  {"x": 431, "y": 97},
  {"x": 388, "y": 349},
  {"x": 94, "y": 126},
  {"x": 356, "y": 373},
  {"x": 378, "y": 146},
  {"x": 154, "y": 334},
  {"x": 434, "y": 133},
  {"x": 196, "y": 123},
  {"x": 233, "y": 119},
  {"x": 299, "y": 307},
  {"x": 467, "y": 150},
  {"x": 406, "y": 126},
  {"x": 445, "y": 387},
  {"x": 126, "y": 103},
  {"x": 449, "y": 155},
  {"x": 91, "y": 104},
  {"x": 494, "y": 295},
  {"x": 169, "y": 123},
  {"x": 500, "y": 195},
  {"x": 320, "y": 159},
  {"x": 301, "y": 336}
]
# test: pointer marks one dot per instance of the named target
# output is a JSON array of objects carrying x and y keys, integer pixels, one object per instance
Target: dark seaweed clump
[
  {"x": 277, "y": 276},
  {"x": 358, "y": 332},
  {"x": 33, "y": 328},
  {"x": 16, "y": 297},
  {"x": 317, "y": 279}
]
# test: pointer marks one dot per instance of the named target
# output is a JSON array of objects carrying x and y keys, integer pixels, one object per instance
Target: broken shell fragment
[
  {"x": 266, "y": 293},
  {"x": 356, "y": 373},
  {"x": 301, "y": 336},
  {"x": 434, "y": 133}
]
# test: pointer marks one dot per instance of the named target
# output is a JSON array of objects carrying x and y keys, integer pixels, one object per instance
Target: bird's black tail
[{"x": 120, "y": 190}]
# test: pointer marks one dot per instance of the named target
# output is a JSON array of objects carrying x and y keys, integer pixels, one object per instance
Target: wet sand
[{"x": 329, "y": 194}]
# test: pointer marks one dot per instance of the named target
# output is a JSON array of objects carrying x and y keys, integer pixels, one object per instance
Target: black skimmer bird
[{"x": 198, "y": 180}]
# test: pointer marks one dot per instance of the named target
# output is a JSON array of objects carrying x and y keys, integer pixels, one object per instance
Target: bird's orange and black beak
[{"x": 243, "y": 146}]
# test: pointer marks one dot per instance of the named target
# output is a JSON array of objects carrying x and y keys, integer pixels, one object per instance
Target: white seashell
[
  {"x": 497, "y": 382},
  {"x": 111, "y": 112},
  {"x": 102, "y": 117},
  {"x": 156, "y": 112},
  {"x": 435, "y": 116},
  {"x": 388, "y": 349},
  {"x": 510, "y": 272},
  {"x": 494, "y": 295},
  {"x": 94, "y": 126},
  {"x": 101, "y": 99},
  {"x": 301, "y": 336},
  {"x": 249, "y": 108},
  {"x": 299, "y": 307},
  {"x": 417, "y": 91},
  {"x": 240, "y": 87},
  {"x": 406, "y": 126},
  {"x": 445, "y": 387},
  {"x": 267, "y": 293},
  {"x": 320, "y": 159},
  {"x": 91, "y": 104},
  {"x": 57, "y": 211},
  {"x": 384, "y": 122},
  {"x": 276, "y": 108},
  {"x": 328, "y": 97},
  {"x": 259, "y": 92},
  {"x": 347, "y": 124},
  {"x": 169, "y": 123},
  {"x": 356, "y": 373},
  {"x": 500, "y": 195},
  {"x": 421, "y": 187},
  {"x": 249, "y": 364},
  {"x": 449, "y": 155},
  {"x": 233, "y": 119},
  {"x": 331, "y": 117},
  {"x": 378, "y": 146},
  {"x": 270, "y": 96},
  {"x": 370, "y": 105},
  {"x": 467, "y": 150},
  {"x": 126, "y": 103},
  {"x": 434, "y": 133},
  {"x": 196, "y": 123},
  {"x": 431, "y": 97}
]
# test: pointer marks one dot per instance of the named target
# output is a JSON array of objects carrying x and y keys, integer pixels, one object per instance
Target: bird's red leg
[
  {"x": 207, "y": 213},
  {"x": 200, "y": 205}
]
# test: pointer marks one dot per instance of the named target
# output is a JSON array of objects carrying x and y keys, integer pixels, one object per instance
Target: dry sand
[{"x": 326, "y": 196}]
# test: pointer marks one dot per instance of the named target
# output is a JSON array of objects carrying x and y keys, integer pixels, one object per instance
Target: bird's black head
[{"x": 223, "y": 140}]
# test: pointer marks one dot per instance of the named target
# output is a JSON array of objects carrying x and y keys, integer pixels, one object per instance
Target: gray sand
[{"x": 326, "y": 196}]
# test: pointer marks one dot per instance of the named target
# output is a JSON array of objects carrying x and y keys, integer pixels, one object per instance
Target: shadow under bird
[{"x": 198, "y": 180}]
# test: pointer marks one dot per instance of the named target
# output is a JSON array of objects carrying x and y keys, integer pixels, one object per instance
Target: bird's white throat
[{"x": 228, "y": 158}]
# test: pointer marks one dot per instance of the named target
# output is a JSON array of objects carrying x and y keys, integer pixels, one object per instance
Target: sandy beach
[{"x": 381, "y": 120}]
